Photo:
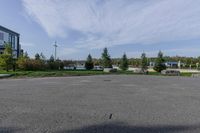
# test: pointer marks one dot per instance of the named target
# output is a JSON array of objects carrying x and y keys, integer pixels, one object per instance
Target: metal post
[{"x": 55, "y": 45}]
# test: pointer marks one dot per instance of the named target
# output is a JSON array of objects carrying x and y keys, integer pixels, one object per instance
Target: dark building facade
[{"x": 11, "y": 37}]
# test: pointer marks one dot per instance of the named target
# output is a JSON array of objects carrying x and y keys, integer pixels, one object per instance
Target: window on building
[
  {"x": 10, "y": 39},
  {"x": 1, "y": 36},
  {"x": 13, "y": 41}
]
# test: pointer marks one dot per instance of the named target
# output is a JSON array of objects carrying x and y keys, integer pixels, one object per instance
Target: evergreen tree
[
  {"x": 124, "y": 63},
  {"x": 144, "y": 63},
  {"x": 53, "y": 64},
  {"x": 106, "y": 60},
  {"x": 51, "y": 58},
  {"x": 6, "y": 59},
  {"x": 159, "y": 64},
  {"x": 37, "y": 56},
  {"x": 89, "y": 63},
  {"x": 26, "y": 55},
  {"x": 42, "y": 57}
]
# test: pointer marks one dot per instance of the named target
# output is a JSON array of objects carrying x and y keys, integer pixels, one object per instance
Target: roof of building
[
  {"x": 8, "y": 30},
  {"x": 172, "y": 62}
]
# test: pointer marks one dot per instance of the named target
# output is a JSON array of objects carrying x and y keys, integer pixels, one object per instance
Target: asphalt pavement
[{"x": 100, "y": 104}]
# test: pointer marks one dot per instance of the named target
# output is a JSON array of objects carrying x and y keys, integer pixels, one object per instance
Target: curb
[{"x": 5, "y": 75}]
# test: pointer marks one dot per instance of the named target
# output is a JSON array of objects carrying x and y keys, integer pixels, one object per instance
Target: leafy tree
[
  {"x": 144, "y": 62},
  {"x": 124, "y": 63},
  {"x": 106, "y": 60},
  {"x": 6, "y": 59},
  {"x": 69, "y": 63},
  {"x": 96, "y": 61},
  {"x": 159, "y": 64},
  {"x": 89, "y": 63},
  {"x": 22, "y": 62}
]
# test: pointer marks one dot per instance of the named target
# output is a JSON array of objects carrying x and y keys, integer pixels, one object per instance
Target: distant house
[
  {"x": 174, "y": 64},
  {"x": 151, "y": 64},
  {"x": 169, "y": 64},
  {"x": 80, "y": 65},
  {"x": 11, "y": 37}
]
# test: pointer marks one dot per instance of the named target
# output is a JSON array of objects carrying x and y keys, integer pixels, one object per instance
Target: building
[
  {"x": 178, "y": 64},
  {"x": 169, "y": 64},
  {"x": 80, "y": 65},
  {"x": 11, "y": 37},
  {"x": 152, "y": 64}
]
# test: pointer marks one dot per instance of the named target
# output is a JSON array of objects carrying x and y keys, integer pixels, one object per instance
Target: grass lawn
[
  {"x": 20, "y": 74},
  {"x": 186, "y": 74}
]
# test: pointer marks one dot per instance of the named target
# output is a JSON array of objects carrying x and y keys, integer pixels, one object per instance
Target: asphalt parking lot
[{"x": 100, "y": 104}]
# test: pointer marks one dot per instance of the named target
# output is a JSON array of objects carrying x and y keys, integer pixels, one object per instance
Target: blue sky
[{"x": 87, "y": 26}]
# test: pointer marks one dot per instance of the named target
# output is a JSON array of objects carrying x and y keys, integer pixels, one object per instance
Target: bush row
[{"x": 33, "y": 65}]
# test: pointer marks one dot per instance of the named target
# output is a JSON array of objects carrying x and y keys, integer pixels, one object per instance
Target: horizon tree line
[{"x": 24, "y": 62}]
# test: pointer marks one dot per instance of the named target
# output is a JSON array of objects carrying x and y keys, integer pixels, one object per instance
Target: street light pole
[{"x": 55, "y": 45}]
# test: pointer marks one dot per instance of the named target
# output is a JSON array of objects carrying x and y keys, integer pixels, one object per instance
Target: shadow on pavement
[
  {"x": 124, "y": 128},
  {"x": 9, "y": 130}
]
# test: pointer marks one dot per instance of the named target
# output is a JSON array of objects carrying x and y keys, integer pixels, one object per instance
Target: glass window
[
  {"x": 13, "y": 41},
  {"x": 10, "y": 38},
  {"x": 1, "y": 36}
]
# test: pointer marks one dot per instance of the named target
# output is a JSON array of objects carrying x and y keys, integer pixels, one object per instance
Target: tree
[
  {"x": 37, "y": 56},
  {"x": 6, "y": 59},
  {"x": 51, "y": 58},
  {"x": 124, "y": 63},
  {"x": 159, "y": 64},
  {"x": 144, "y": 62},
  {"x": 106, "y": 60},
  {"x": 23, "y": 61},
  {"x": 89, "y": 63},
  {"x": 42, "y": 57},
  {"x": 96, "y": 62},
  {"x": 53, "y": 64},
  {"x": 26, "y": 55}
]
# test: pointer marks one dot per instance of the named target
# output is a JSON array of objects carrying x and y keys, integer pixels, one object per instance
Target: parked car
[
  {"x": 80, "y": 68},
  {"x": 98, "y": 68},
  {"x": 110, "y": 70},
  {"x": 69, "y": 67},
  {"x": 171, "y": 72}
]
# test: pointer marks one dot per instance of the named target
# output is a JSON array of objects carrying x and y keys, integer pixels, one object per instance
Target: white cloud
[
  {"x": 117, "y": 22},
  {"x": 67, "y": 51}
]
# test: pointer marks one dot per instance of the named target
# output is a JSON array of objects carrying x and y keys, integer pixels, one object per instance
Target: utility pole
[{"x": 55, "y": 45}]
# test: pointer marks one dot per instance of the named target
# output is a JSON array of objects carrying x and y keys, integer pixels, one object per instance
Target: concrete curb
[{"x": 5, "y": 75}]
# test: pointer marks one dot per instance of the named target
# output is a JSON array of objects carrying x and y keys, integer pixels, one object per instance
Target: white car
[
  {"x": 171, "y": 72},
  {"x": 98, "y": 68}
]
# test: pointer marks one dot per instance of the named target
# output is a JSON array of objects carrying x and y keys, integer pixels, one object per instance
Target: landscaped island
[
  {"x": 24, "y": 66},
  {"x": 63, "y": 73}
]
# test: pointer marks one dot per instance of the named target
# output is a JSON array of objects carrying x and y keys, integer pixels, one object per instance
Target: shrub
[{"x": 30, "y": 64}]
